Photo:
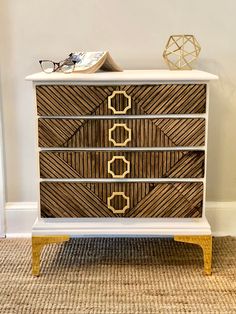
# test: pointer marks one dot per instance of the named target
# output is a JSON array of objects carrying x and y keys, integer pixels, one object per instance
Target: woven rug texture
[{"x": 116, "y": 276}]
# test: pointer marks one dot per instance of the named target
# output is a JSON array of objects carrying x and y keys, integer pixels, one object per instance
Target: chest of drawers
[{"x": 122, "y": 154}]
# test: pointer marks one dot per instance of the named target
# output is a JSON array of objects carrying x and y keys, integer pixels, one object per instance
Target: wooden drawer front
[
  {"x": 121, "y": 132},
  {"x": 72, "y": 100},
  {"x": 168, "y": 164},
  {"x": 110, "y": 199}
]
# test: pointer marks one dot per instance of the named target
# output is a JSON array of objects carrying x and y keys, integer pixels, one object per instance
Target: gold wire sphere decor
[{"x": 181, "y": 51}]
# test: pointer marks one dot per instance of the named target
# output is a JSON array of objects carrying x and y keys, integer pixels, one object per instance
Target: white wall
[{"x": 135, "y": 32}]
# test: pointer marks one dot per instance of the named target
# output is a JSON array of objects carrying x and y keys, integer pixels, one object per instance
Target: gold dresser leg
[
  {"x": 37, "y": 244},
  {"x": 205, "y": 242}
]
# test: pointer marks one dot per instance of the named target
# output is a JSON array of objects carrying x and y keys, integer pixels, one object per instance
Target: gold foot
[
  {"x": 37, "y": 244},
  {"x": 205, "y": 242}
]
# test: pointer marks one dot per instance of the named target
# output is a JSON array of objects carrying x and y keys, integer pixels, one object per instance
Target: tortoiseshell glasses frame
[{"x": 65, "y": 66}]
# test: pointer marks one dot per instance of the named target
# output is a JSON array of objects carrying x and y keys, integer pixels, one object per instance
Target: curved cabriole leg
[
  {"x": 205, "y": 242},
  {"x": 37, "y": 244}
]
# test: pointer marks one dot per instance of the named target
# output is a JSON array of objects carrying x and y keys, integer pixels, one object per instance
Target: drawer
[
  {"x": 168, "y": 132},
  {"x": 180, "y": 200},
  {"x": 73, "y": 100},
  {"x": 126, "y": 164}
]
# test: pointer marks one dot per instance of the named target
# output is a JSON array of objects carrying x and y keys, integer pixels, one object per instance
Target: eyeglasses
[{"x": 66, "y": 66}]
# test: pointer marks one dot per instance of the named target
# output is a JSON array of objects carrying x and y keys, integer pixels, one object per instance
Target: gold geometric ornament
[
  {"x": 119, "y": 125},
  {"x": 181, "y": 51},
  {"x": 114, "y": 210},
  {"x": 126, "y": 163},
  {"x": 125, "y": 96}
]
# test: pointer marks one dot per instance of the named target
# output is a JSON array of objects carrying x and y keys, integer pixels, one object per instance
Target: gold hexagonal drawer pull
[
  {"x": 126, "y": 162},
  {"x": 119, "y": 125},
  {"x": 118, "y": 211},
  {"x": 114, "y": 109}
]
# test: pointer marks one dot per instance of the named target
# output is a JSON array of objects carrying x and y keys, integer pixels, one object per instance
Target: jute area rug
[{"x": 116, "y": 276}]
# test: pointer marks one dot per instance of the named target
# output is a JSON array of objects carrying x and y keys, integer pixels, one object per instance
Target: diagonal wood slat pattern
[
  {"x": 61, "y": 199},
  {"x": 166, "y": 132},
  {"x": 70, "y": 200},
  {"x": 152, "y": 200},
  {"x": 146, "y": 99},
  {"x": 167, "y": 164},
  {"x": 171, "y": 200}
]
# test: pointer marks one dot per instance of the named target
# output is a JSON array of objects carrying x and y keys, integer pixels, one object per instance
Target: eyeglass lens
[
  {"x": 47, "y": 66},
  {"x": 67, "y": 66}
]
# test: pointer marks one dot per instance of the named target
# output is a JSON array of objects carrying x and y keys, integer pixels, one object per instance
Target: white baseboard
[
  {"x": 222, "y": 218},
  {"x": 20, "y": 216}
]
